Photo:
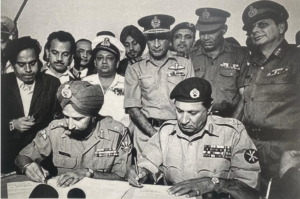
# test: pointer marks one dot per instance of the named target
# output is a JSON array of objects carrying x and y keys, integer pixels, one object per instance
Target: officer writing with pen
[
  {"x": 200, "y": 153},
  {"x": 83, "y": 143}
]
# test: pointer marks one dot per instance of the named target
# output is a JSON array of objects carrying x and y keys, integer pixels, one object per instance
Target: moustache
[{"x": 59, "y": 62}]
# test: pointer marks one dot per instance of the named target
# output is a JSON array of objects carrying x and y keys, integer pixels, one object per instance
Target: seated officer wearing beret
[
  {"x": 83, "y": 144},
  {"x": 183, "y": 37},
  {"x": 200, "y": 153},
  {"x": 149, "y": 82},
  {"x": 271, "y": 108},
  {"x": 217, "y": 61}
]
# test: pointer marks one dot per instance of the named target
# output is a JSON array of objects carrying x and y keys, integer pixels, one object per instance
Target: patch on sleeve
[
  {"x": 43, "y": 134},
  {"x": 251, "y": 156}
]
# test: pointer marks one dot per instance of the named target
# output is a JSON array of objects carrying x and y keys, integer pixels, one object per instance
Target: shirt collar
[
  {"x": 208, "y": 128},
  {"x": 82, "y": 72},
  {"x": 21, "y": 85},
  {"x": 168, "y": 56},
  {"x": 225, "y": 47},
  {"x": 46, "y": 69}
]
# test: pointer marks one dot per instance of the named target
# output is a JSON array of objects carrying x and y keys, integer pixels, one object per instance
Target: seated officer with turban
[
  {"x": 200, "y": 153},
  {"x": 83, "y": 144}
]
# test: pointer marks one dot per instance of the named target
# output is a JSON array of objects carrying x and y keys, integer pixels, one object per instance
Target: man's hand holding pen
[
  {"x": 36, "y": 173},
  {"x": 137, "y": 176}
]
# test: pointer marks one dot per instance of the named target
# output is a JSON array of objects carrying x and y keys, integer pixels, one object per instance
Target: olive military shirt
[
  {"x": 103, "y": 151},
  {"x": 224, "y": 73},
  {"x": 222, "y": 149},
  {"x": 148, "y": 86},
  {"x": 272, "y": 90}
]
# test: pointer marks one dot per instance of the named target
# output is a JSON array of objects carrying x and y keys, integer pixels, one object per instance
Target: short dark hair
[
  {"x": 62, "y": 36},
  {"x": 15, "y": 46}
]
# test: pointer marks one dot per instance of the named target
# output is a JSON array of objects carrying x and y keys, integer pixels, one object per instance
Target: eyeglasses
[{"x": 31, "y": 63}]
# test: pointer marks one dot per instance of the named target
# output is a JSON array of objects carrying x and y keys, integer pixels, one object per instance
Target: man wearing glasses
[
  {"x": 28, "y": 100},
  {"x": 148, "y": 83}
]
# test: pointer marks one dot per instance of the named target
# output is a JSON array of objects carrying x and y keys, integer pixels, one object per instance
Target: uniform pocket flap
[
  {"x": 64, "y": 162},
  {"x": 146, "y": 80}
]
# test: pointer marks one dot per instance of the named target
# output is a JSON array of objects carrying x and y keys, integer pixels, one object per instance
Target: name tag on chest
[{"x": 217, "y": 151}]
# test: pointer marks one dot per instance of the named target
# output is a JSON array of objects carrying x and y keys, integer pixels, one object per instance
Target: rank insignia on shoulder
[
  {"x": 277, "y": 71},
  {"x": 230, "y": 66},
  {"x": 215, "y": 151},
  {"x": 43, "y": 134},
  {"x": 181, "y": 54},
  {"x": 251, "y": 156},
  {"x": 134, "y": 60}
]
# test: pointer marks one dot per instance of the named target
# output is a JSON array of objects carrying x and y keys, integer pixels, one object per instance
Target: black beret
[
  {"x": 193, "y": 89},
  {"x": 156, "y": 23},
  {"x": 211, "y": 19},
  {"x": 183, "y": 25},
  {"x": 262, "y": 10}
]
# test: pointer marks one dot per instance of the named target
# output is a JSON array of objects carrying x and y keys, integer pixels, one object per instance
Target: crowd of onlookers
[{"x": 210, "y": 116}]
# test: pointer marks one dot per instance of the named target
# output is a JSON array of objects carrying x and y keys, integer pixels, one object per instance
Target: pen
[{"x": 8, "y": 174}]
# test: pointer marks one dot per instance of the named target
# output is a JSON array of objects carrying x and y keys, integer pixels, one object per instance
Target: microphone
[
  {"x": 43, "y": 191},
  {"x": 76, "y": 193}
]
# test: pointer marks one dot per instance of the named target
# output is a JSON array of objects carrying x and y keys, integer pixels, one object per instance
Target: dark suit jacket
[{"x": 44, "y": 106}]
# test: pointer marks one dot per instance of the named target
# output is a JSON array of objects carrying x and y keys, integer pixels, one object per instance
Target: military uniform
[
  {"x": 148, "y": 86},
  {"x": 224, "y": 73},
  {"x": 107, "y": 149},
  {"x": 272, "y": 103},
  {"x": 221, "y": 149}
]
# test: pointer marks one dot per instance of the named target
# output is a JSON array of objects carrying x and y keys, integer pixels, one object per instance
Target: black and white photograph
[{"x": 159, "y": 99}]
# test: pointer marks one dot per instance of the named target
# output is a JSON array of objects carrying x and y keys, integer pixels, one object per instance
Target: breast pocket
[
  {"x": 64, "y": 162},
  {"x": 146, "y": 81},
  {"x": 228, "y": 79},
  {"x": 173, "y": 168},
  {"x": 103, "y": 164},
  {"x": 218, "y": 167}
]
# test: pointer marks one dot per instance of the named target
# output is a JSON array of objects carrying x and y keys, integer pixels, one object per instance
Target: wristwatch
[
  {"x": 91, "y": 173},
  {"x": 11, "y": 125}
]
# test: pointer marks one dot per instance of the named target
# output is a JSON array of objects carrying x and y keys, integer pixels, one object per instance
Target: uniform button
[
  {"x": 262, "y": 68},
  {"x": 252, "y": 98},
  {"x": 249, "y": 116},
  {"x": 190, "y": 144}
]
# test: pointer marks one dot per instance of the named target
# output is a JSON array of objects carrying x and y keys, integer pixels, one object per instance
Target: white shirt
[
  {"x": 113, "y": 98},
  {"x": 83, "y": 72},
  {"x": 26, "y": 95},
  {"x": 64, "y": 77}
]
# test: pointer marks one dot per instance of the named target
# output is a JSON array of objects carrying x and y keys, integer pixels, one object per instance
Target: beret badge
[
  {"x": 252, "y": 12},
  {"x": 66, "y": 92},
  {"x": 194, "y": 93},
  {"x": 155, "y": 23},
  {"x": 205, "y": 14}
]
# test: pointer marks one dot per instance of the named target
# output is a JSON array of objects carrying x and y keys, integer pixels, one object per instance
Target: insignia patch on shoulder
[
  {"x": 43, "y": 134},
  {"x": 251, "y": 156}
]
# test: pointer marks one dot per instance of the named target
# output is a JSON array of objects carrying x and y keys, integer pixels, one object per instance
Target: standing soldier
[
  {"x": 217, "y": 61},
  {"x": 148, "y": 83},
  {"x": 272, "y": 85}
]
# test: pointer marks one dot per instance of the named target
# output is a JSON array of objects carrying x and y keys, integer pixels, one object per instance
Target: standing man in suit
[{"x": 28, "y": 100}]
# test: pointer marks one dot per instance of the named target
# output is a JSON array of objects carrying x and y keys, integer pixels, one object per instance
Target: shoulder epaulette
[
  {"x": 134, "y": 60},
  {"x": 114, "y": 125},
  {"x": 58, "y": 124},
  {"x": 229, "y": 121}
]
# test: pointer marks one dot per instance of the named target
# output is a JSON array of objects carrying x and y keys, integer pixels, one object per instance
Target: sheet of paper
[
  {"x": 92, "y": 188},
  {"x": 150, "y": 192}
]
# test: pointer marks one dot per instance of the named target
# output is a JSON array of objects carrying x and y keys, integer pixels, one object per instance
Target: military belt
[{"x": 264, "y": 134}]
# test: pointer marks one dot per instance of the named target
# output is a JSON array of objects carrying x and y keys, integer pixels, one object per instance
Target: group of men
[{"x": 178, "y": 105}]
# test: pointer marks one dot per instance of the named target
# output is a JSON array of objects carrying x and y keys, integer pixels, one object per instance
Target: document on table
[{"x": 94, "y": 188}]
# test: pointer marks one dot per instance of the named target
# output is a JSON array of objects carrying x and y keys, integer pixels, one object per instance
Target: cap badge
[
  {"x": 155, "y": 23},
  {"x": 252, "y": 12},
  {"x": 194, "y": 93},
  {"x": 205, "y": 14},
  {"x": 105, "y": 42},
  {"x": 66, "y": 92},
  {"x": 190, "y": 25}
]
